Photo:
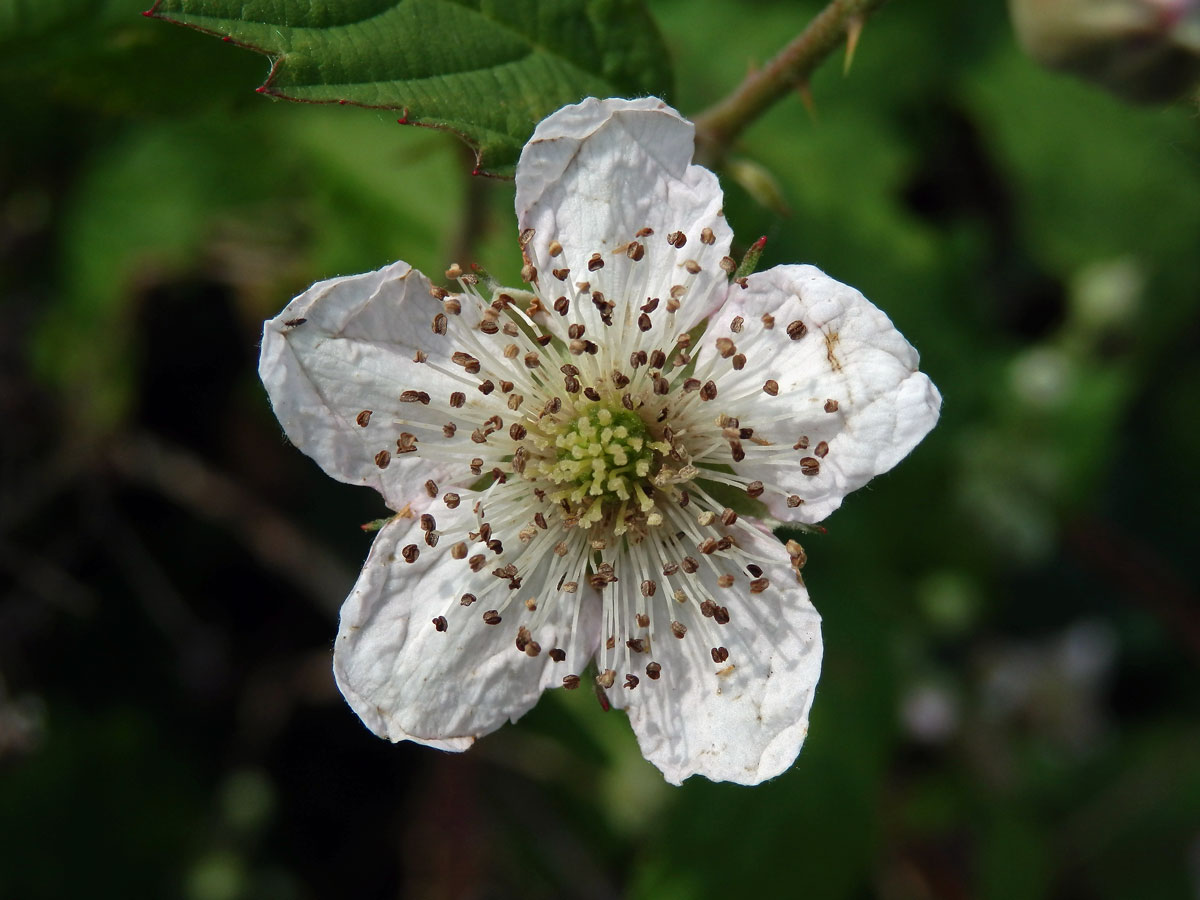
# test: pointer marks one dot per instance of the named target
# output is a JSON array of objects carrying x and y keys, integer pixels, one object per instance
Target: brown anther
[
  {"x": 532, "y": 649},
  {"x": 707, "y": 236},
  {"x": 728, "y": 264},
  {"x": 515, "y": 401},
  {"x": 796, "y": 330},
  {"x": 459, "y": 550},
  {"x": 678, "y": 629},
  {"x": 451, "y": 306},
  {"x": 810, "y": 466},
  {"x": 595, "y": 261},
  {"x": 532, "y": 360},
  {"x": 726, "y": 347},
  {"x": 802, "y": 443},
  {"x": 557, "y": 654},
  {"x": 689, "y": 565},
  {"x": 451, "y": 500},
  {"x": 728, "y": 516},
  {"x": 440, "y": 623},
  {"x": 363, "y": 418},
  {"x": 415, "y": 397},
  {"x": 755, "y": 489},
  {"x": 725, "y": 581},
  {"x": 758, "y": 585},
  {"x": 793, "y": 501},
  {"x": 627, "y": 401},
  {"x": 449, "y": 430},
  {"x": 619, "y": 379},
  {"x": 670, "y": 569},
  {"x": 561, "y": 305},
  {"x": 477, "y": 562},
  {"x": 708, "y": 391},
  {"x": 476, "y": 466},
  {"x": 642, "y": 619},
  {"x": 410, "y": 553},
  {"x": 721, "y": 615},
  {"x": 662, "y": 387},
  {"x": 771, "y": 386},
  {"x": 479, "y": 436},
  {"x": 523, "y": 637},
  {"x": 487, "y": 326},
  {"x": 768, "y": 321},
  {"x": 406, "y": 443},
  {"x": 529, "y": 273},
  {"x": 677, "y": 239},
  {"x": 517, "y": 431},
  {"x": 736, "y": 451},
  {"x": 691, "y": 384},
  {"x": 708, "y": 609},
  {"x": 428, "y": 523},
  {"x": 457, "y": 399},
  {"x": 487, "y": 386},
  {"x": 831, "y": 406},
  {"x": 383, "y": 459},
  {"x": 439, "y": 323},
  {"x": 467, "y": 599},
  {"x": 491, "y": 617},
  {"x": 631, "y": 681},
  {"x": 737, "y": 324},
  {"x": 606, "y": 678},
  {"x": 635, "y": 251},
  {"x": 570, "y": 682},
  {"x": 653, "y": 671},
  {"x": 719, "y": 655},
  {"x": 821, "y": 450},
  {"x": 644, "y": 323},
  {"x": 438, "y": 293},
  {"x": 691, "y": 267},
  {"x": 555, "y": 248},
  {"x": 637, "y": 645},
  {"x": 506, "y": 386},
  {"x": 649, "y": 587}
]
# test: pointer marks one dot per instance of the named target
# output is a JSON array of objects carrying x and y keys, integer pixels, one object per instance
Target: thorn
[
  {"x": 806, "y": 97},
  {"x": 148, "y": 13},
  {"x": 226, "y": 39},
  {"x": 343, "y": 102},
  {"x": 403, "y": 120},
  {"x": 854, "y": 29},
  {"x": 261, "y": 90},
  {"x": 475, "y": 171}
]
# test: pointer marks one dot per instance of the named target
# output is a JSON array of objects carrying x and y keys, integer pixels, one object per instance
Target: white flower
[{"x": 562, "y": 460}]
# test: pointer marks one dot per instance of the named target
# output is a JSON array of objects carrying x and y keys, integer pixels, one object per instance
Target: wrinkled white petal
[
  {"x": 346, "y": 347},
  {"x": 409, "y": 681},
  {"x": 591, "y": 178},
  {"x": 846, "y": 404},
  {"x": 745, "y": 719}
]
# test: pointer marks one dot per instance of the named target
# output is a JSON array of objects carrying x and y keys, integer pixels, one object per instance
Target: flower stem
[{"x": 718, "y": 126}]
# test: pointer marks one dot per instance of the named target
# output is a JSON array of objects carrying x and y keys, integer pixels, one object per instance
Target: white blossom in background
[{"x": 562, "y": 460}]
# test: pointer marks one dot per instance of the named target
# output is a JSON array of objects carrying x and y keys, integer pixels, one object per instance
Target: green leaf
[{"x": 488, "y": 70}]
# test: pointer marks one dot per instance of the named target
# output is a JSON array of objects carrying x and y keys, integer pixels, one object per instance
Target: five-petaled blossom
[{"x": 564, "y": 460}]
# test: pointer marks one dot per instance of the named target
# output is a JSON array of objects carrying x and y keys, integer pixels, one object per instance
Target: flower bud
[{"x": 1142, "y": 50}]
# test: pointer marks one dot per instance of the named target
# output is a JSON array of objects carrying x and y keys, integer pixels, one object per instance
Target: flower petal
[
  {"x": 408, "y": 680},
  {"x": 591, "y": 178},
  {"x": 745, "y": 719},
  {"x": 830, "y": 384},
  {"x": 336, "y": 362}
]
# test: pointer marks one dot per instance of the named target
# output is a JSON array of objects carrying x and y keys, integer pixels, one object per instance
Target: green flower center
[{"x": 604, "y": 460}]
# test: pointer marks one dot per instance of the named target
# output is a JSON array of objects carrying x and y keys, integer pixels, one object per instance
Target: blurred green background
[{"x": 1009, "y": 702}]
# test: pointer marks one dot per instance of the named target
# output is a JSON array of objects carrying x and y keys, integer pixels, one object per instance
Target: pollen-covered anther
[{"x": 606, "y": 678}]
